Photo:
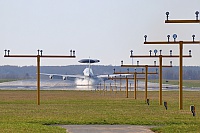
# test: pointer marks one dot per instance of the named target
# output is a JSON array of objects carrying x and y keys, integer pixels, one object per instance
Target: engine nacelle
[
  {"x": 51, "y": 76},
  {"x": 64, "y": 78}
]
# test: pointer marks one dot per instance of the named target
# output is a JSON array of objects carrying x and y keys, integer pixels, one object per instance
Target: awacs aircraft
[{"x": 88, "y": 77}]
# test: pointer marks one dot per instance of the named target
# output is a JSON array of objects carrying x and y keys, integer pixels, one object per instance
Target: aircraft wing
[
  {"x": 106, "y": 77},
  {"x": 64, "y": 77}
]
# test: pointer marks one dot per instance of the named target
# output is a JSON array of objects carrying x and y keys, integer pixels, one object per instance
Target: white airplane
[{"x": 88, "y": 77}]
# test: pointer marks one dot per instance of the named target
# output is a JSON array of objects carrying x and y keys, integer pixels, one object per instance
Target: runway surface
[
  {"x": 58, "y": 84},
  {"x": 107, "y": 129}
]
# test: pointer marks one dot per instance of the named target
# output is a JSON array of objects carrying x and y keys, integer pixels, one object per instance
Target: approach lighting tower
[{"x": 38, "y": 56}]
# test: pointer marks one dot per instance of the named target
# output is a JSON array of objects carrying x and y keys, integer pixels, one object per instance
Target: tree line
[{"x": 27, "y": 72}]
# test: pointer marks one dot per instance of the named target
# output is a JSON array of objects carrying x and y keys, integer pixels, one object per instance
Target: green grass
[
  {"x": 186, "y": 83},
  {"x": 19, "y": 112},
  {"x": 6, "y": 80}
]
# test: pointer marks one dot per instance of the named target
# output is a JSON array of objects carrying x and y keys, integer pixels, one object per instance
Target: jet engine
[
  {"x": 64, "y": 78},
  {"x": 51, "y": 76}
]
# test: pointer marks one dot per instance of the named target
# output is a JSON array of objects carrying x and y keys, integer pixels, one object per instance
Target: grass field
[
  {"x": 6, "y": 80},
  {"x": 186, "y": 83},
  {"x": 19, "y": 112}
]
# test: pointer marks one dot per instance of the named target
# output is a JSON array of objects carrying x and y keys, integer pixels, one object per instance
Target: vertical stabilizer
[
  {"x": 89, "y": 67},
  {"x": 88, "y": 71}
]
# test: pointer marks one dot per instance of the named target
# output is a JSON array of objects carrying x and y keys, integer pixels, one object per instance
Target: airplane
[{"x": 88, "y": 77}]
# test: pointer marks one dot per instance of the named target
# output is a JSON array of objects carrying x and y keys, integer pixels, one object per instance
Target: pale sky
[{"x": 102, "y": 29}]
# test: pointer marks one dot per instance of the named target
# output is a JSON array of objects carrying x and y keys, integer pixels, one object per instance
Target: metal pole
[
  {"x": 146, "y": 80},
  {"x": 38, "y": 79},
  {"x": 160, "y": 80},
  {"x": 120, "y": 84},
  {"x": 181, "y": 75},
  {"x": 104, "y": 85},
  {"x": 126, "y": 87},
  {"x": 115, "y": 85},
  {"x": 135, "y": 77},
  {"x": 100, "y": 87}
]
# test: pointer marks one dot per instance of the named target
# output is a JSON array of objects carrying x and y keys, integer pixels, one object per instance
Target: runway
[
  {"x": 107, "y": 128},
  {"x": 58, "y": 84}
]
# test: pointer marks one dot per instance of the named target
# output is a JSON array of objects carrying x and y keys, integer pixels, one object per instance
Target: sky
[{"x": 101, "y": 29}]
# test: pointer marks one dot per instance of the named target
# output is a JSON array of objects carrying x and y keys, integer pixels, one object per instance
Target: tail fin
[
  {"x": 89, "y": 62},
  {"x": 89, "y": 66}
]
